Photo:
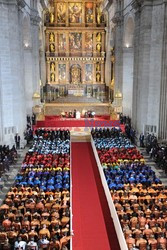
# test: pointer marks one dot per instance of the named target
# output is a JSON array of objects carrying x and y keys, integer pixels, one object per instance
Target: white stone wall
[
  {"x": 19, "y": 67},
  {"x": 140, "y": 71}
]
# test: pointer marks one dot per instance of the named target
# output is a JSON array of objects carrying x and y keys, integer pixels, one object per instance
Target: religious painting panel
[
  {"x": 62, "y": 42},
  {"x": 75, "y": 12},
  {"x": 75, "y": 41},
  {"x": 75, "y": 74},
  {"x": 62, "y": 72},
  {"x": 89, "y": 12},
  {"x": 61, "y": 13},
  {"x": 89, "y": 41},
  {"x": 88, "y": 72}
]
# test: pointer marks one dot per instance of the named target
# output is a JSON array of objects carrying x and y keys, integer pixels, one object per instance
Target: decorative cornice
[
  {"x": 136, "y": 4},
  {"x": 34, "y": 17},
  {"x": 45, "y": 4},
  {"x": 8, "y": 2},
  {"x": 117, "y": 18},
  {"x": 107, "y": 4},
  {"x": 87, "y": 59},
  {"x": 21, "y": 3}
]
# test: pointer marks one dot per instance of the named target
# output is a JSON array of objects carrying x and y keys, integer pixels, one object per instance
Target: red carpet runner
[{"x": 92, "y": 224}]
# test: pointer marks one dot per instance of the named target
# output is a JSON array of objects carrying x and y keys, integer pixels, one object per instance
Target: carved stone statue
[
  {"x": 52, "y": 66},
  {"x": 52, "y": 47},
  {"x": 75, "y": 74},
  {"x": 51, "y": 37},
  {"x": 98, "y": 37},
  {"x": 98, "y": 67},
  {"x": 98, "y": 77},
  {"x": 52, "y": 76},
  {"x": 98, "y": 47},
  {"x": 99, "y": 15},
  {"x": 52, "y": 18}
]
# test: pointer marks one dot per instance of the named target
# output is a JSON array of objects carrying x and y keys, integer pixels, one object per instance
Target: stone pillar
[
  {"x": 12, "y": 92},
  {"x": 83, "y": 73},
  {"x": 47, "y": 42},
  {"x": 56, "y": 43},
  {"x": 142, "y": 46},
  {"x": 35, "y": 51},
  {"x": 118, "y": 53},
  {"x": 68, "y": 71},
  {"x": 42, "y": 61},
  {"x": 94, "y": 73},
  {"x": 1, "y": 117},
  {"x": 127, "y": 89},
  {"x": 67, "y": 17},
  {"x": 102, "y": 72},
  {"x": 83, "y": 44},
  {"x": 55, "y": 13},
  {"x": 162, "y": 133},
  {"x": 103, "y": 44},
  {"x": 94, "y": 14},
  {"x": 83, "y": 14},
  {"x": 48, "y": 71},
  {"x": 67, "y": 44},
  {"x": 57, "y": 72},
  {"x": 94, "y": 43}
]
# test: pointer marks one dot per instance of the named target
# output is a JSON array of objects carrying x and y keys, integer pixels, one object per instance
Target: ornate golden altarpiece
[{"x": 75, "y": 43}]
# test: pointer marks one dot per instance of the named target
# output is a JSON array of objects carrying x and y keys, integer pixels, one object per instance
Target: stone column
[
  {"x": 83, "y": 44},
  {"x": 94, "y": 14},
  {"x": 47, "y": 42},
  {"x": 103, "y": 43},
  {"x": 118, "y": 52},
  {"x": 68, "y": 71},
  {"x": 1, "y": 117},
  {"x": 83, "y": 14},
  {"x": 67, "y": 44},
  {"x": 94, "y": 43},
  {"x": 56, "y": 43},
  {"x": 83, "y": 73},
  {"x": 102, "y": 72},
  {"x": 94, "y": 72},
  {"x": 55, "y": 13},
  {"x": 35, "y": 50},
  {"x": 162, "y": 133},
  {"x": 48, "y": 71},
  {"x": 12, "y": 92},
  {"x": 57, "y": 72},
  {"x": 142, "y": 48},
  {"x": 127, "y": 89},
  {"x": 67, "y": 17}
]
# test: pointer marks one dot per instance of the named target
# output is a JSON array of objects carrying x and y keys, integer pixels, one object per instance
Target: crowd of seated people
[
  {"x": 36, "y": 211},
  {"x": 7, "y": 157},
  {"x": 138, "y": 194}
]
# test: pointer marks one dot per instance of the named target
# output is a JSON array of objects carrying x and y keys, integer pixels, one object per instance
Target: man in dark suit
[{"x": 17, "y": 141}]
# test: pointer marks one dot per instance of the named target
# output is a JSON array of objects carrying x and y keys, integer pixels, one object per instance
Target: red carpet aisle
[{"x": 92, "y": 225}]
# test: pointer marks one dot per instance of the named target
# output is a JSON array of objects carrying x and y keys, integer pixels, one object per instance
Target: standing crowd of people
[
  {"x": 7, "y": 157},
  {"x": 28, "y": 133},
  {"x": 129, "y": 130}
]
